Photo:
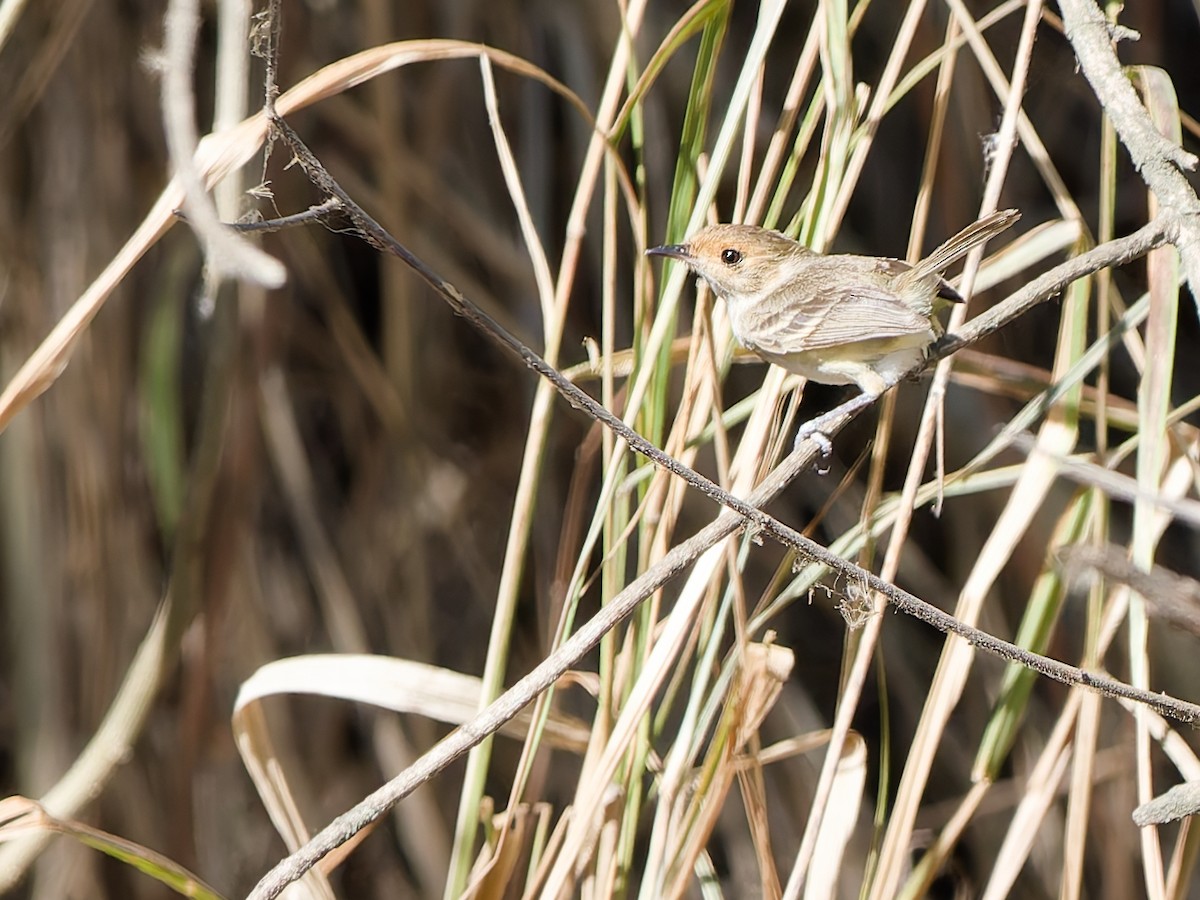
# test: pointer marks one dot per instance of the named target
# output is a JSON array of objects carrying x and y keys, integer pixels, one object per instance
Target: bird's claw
[{"x": 824, "y": 446}]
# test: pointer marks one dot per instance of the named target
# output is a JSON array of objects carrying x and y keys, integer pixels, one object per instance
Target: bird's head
[{"x": 738, "y": 261}]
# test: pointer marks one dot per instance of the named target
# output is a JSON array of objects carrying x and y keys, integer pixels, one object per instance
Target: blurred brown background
[{"x": 413, "y": 425}]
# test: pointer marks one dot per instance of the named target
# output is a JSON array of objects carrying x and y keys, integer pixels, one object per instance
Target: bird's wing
[{"x": 839, "y": 316}]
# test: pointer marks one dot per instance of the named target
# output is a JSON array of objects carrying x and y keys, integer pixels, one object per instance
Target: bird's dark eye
[{"x": 731, "y": 257}]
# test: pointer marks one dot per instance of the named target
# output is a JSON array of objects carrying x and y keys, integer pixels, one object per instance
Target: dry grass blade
[
  {"x": 758, "y": 682},
  {"x": 400, "y": 685},
  {"x": 21, "y": 818},
  {"x": 840, "y": 822}
]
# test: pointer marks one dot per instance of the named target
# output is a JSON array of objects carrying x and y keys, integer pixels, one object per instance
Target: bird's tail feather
[{"x": 962, "y": 243}]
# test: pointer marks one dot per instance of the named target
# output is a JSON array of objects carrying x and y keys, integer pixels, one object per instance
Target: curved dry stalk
[{"x": 225, "y": 252}]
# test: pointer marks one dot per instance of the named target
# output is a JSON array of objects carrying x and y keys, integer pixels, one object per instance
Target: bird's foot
[
  {"x": 816, "y": 430},
  {"x": 811, "y": 431}
]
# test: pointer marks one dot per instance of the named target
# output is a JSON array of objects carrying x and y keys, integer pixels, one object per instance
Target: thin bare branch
[{"x": 1159, "y": 161}]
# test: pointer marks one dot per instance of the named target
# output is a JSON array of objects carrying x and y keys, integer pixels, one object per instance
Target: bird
[{"x": 837, "y": 318}]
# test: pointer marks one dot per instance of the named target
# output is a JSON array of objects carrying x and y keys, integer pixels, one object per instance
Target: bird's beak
[{"x": 674, "y": 251}]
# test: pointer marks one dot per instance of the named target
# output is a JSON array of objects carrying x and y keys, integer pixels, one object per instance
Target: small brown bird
[{"x": 837, "y": 319}]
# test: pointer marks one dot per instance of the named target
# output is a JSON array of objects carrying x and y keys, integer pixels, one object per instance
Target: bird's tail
[{"x": 962, "y": 243}]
